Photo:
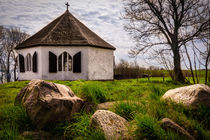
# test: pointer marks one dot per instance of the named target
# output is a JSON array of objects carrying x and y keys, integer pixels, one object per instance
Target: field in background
[
  {"x": 143, "y": 110},
  {"x": 132, "y": 72}
]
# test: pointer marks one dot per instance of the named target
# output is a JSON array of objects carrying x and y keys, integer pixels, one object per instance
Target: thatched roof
[{"x": 65, "y": 30}]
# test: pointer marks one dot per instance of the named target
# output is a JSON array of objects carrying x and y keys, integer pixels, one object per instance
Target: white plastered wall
[
  {"x": 96, "y": 63},
  {"x": 100, "y": 64},
  {"x": 28, "y": 75}
]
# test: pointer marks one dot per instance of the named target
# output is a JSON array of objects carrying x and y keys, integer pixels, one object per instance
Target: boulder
[
  {"x": 47, "y": 102},
  {"x": 112, "y": 125},
  {"x": 193, "y": 95},
  {"x": 168, "y": 124},
  {"x": 106, "y": 105}
]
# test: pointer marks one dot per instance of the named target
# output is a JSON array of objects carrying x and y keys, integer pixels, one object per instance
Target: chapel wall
[
  {"x": 28, "y": 75},
  {"x": 100, "y": 64},
  {"x": 96, "y": 63}
]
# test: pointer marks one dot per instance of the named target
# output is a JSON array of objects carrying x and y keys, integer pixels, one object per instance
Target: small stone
[
  {"x": 112, "y": 125},
  {"x": 168, "y": 124}
]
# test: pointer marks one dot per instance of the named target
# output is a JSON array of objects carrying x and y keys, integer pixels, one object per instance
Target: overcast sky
[{"x": 104, "y": 17}]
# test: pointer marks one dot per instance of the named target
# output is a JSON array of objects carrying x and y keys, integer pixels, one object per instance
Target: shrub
[
  {"x": 94, "y": 93},
  {"x": 128, "y": 110}
]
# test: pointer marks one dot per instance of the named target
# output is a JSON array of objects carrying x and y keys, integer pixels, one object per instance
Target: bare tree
[
  {"x": 125, "y": 69},
  {"x": 166, "y": 23},
  {"x": 204, "y": 53},
  {"x": 206, "y": 56},
  {"x": 190, "y": 63},
  {"x": 2, "y": 63},
  {"x": 10, "y": 38},
  {"x": 2, "y": 56},
  {"x": 204, "y": 38},
  {"x": 1, "y": 30},
  {"x": 163, "y": 57}
]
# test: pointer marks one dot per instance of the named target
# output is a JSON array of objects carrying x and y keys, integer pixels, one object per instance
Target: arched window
[
  {"x": 35, "y": 62},
  {"x": 52, "y": 62},
  {"x": 21, "y": 63},
  {"x": 65, "y": 62},
  {"x": 28, "y": 62},
  {"x": 77, "y": 63}
]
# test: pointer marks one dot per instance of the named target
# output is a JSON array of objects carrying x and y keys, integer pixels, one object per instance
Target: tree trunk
[
  {"x": 191, "y": 69},
  {"x": 8, "y": 68},
  {"x": 206, "y": 67},
  {"x": 196, "y": 75},
  {"x": 15, "y": 67},
  {"x": 178, "y": 75},
  {"x": 3, "y": 68},
  {"x": 2, "y": 77}
]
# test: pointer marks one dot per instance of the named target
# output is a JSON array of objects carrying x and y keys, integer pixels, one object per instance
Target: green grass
[
  {"x": 148, "y": 127},
  {"x": 139, "y": 103},
  {"x": 128, "y": 109},
  {"x": 94, "y": 93},
  {"x": 79, "y": 129},
  {"x": 12, "y": 119}
]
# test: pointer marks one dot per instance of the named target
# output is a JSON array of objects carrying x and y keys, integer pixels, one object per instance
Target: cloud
[{"x": 101, "y": 16}]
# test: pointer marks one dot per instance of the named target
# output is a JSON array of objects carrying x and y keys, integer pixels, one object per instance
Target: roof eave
[{"x": 81, "y": 45}]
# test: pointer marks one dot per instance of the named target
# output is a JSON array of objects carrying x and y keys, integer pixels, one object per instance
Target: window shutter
[
  {"x": 77, "y": 63},
  {"x": 21, "y": 63},
  {"x": 52, "y": 62},
  {"x": 35, "y": 62},
  {"x": 60, "y": 63},
  {"x": 65, "y": 61}
]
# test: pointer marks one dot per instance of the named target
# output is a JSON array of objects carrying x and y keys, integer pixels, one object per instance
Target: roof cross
[{"x": 67, "y": 5}]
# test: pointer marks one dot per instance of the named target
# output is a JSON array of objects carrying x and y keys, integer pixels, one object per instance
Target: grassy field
[{"x": 143, "y": 110}]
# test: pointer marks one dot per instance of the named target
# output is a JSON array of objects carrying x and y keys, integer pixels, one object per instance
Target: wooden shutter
[
  {"x": 60, "y": 63},
  {"x": 77, "y": 63},
  {"x": 65, "y": 61},
  {"x": 52, "y": 62},
  {"x": 21, "y": 63},
  {"x": 35, "y": 62}
]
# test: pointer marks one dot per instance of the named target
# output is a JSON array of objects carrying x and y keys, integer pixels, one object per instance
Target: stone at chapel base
[
  {"x": 47, "y": 102},
  {"x": 193, "y": 95},
  {"x": 112, "y": 125}
]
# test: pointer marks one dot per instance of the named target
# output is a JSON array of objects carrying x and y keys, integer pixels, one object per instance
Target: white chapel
[{"x": 65, "y": 49}]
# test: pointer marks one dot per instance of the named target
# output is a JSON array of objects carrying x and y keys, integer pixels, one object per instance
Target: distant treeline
[{"x": 128, "y": 70}]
